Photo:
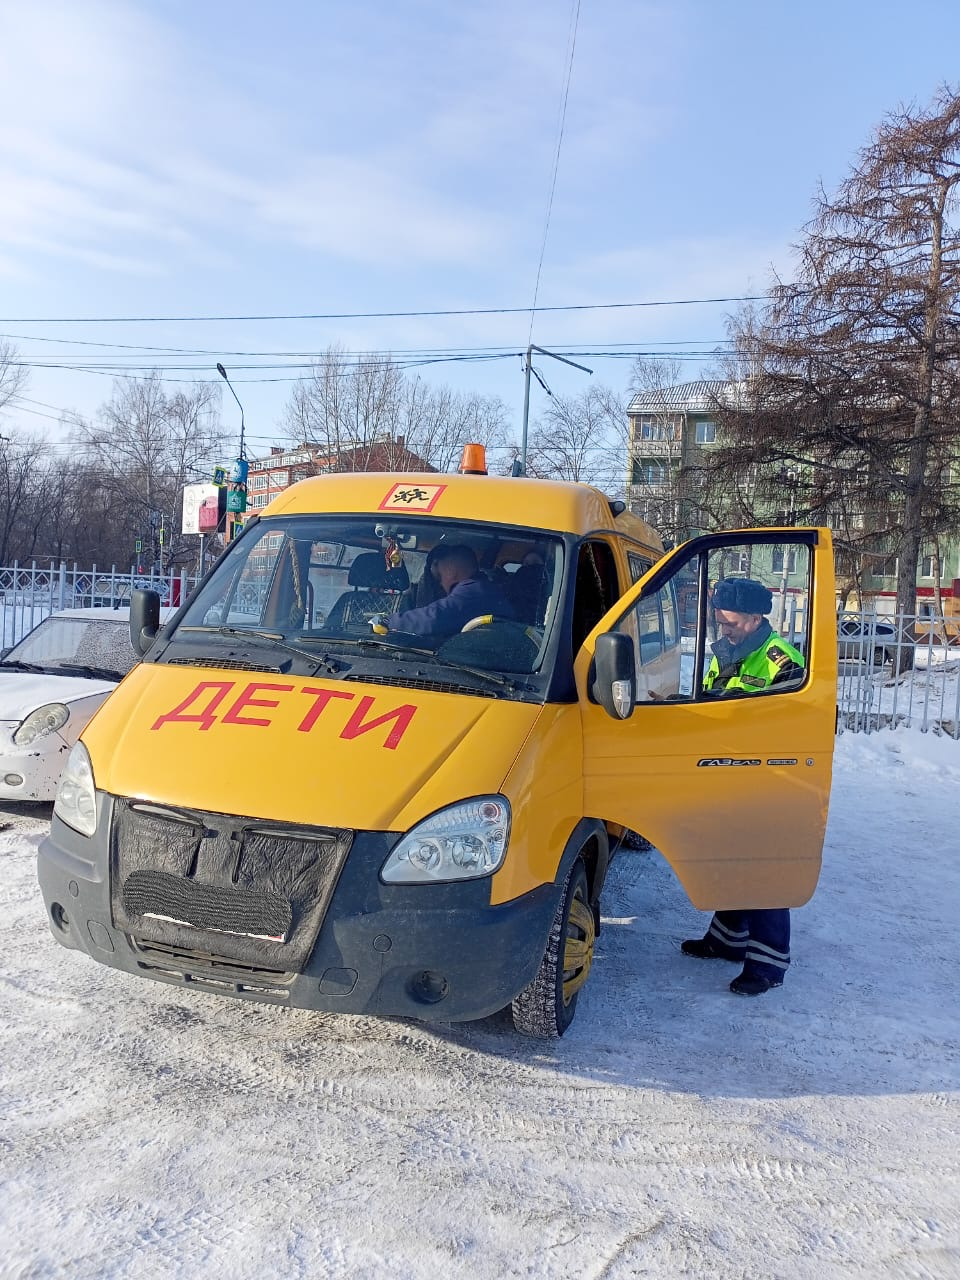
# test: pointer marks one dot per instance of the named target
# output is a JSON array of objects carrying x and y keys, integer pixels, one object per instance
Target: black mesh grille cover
[
  {"x": 224, "y": 664},
  {"x": 220, "y": 907},
  {"x": 224, "y": 886},
  {"x": 437, "y": 686}
]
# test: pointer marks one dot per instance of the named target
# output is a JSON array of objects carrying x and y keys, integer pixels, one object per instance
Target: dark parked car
[{"x": 866, "y": 638}]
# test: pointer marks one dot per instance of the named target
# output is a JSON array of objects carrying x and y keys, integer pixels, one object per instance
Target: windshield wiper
[
  {"x": 274, "y": 638},
  {"x": 81, "y": 669},
  {"x": 483, "y": 674},
  {"x": 14, "y": 665},
  {"x": 493, "y": 676},
  {"x": 374, "y": 642}
]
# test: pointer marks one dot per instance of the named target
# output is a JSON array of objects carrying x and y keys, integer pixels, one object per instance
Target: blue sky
[{"x": 193, "y": 157}]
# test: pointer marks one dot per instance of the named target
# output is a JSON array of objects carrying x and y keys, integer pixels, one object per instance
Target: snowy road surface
[{"x": 677, "y": 1130}]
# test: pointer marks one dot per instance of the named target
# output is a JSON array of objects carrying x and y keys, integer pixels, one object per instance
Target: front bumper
[
  {"x": 430, "y": 952},
  {"x": 37, "y": 766}
]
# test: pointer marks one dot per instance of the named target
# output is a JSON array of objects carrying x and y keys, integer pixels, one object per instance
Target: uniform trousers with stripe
[{"x": 761, "y": 939}]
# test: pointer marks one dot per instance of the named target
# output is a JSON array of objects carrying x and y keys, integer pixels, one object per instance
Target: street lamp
[{"x": 223, "y": 374}]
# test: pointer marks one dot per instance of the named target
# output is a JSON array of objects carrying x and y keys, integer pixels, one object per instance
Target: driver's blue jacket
[{"x": 448, "y": 615}]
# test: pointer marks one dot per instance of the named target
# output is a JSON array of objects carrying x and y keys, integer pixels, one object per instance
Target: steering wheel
[
  {"x": 534, "y": 634},
  {"x": 482, "y": 620}
]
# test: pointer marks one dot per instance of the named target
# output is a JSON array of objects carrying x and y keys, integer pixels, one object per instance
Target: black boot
[
  {"x": 708, "y": 949},
  {"x": 753, "y": 984}
]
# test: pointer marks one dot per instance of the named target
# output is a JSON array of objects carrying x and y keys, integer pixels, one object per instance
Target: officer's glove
[{"x": 378, "y": 624}]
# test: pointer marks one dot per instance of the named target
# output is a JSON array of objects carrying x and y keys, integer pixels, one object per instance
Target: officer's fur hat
[{"x": 742, "y": 595}]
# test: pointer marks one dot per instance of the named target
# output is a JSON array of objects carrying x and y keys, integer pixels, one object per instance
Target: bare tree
[
  {"x": 581, "y": 438},
  {"x": 143, "y": 448},
  {"x": 851, "y": 376},
  {"x": 13, "y": 375},
  {"x": 24, "y": 464},
  {"x": 369, "y": 415}
]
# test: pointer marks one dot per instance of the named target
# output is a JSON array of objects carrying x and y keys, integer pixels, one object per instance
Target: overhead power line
[
  {"x": 315, "y": 354},
  {"x": 381, "y": 315},
  {"x": 574, "y": 23},
  {"x": 296, "y": 372}
]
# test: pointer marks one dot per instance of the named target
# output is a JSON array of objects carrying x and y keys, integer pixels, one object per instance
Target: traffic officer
[{"x": 748, "y": 656}]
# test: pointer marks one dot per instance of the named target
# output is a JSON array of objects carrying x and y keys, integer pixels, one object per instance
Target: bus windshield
[{"x": 478, "y": 594}]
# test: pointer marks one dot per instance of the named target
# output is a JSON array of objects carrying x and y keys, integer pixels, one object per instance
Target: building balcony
[
  {"x": 655, "y": 448},
  {"x": 663, "y": 489}
]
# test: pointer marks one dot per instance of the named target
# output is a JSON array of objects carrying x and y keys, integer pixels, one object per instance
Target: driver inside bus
[{"x": 467, "y": 594}]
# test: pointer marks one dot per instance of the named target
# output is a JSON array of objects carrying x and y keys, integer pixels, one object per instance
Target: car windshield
[
  {"x": 102, "y": 644},
  {"x": 479, "y": 595}
]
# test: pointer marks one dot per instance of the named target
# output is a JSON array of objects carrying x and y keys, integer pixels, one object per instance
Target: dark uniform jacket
[{"x": 449, "y": 614}]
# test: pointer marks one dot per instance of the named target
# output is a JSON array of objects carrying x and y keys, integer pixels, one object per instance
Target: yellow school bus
[{"x": 340, "y": 780}]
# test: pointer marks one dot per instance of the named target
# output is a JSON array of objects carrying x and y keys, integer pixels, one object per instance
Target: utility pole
[
  {"x": 789, "y": 480},
  {"x": 527, "y": 369},
  {"x": 237, "y": 494}
]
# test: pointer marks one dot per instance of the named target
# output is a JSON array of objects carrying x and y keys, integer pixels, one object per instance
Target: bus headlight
[
  {"x": 76, "y": 799},
  {"x": 463, "y": 842}
]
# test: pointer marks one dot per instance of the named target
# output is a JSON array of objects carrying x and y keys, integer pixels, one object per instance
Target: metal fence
[
  {"x": 29, "y": 592},
  {"x": 898, "y": 670}
]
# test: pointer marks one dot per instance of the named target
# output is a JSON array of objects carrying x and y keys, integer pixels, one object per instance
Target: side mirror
[
  {"x": 144, "y": 619},
  {"x": 614, "y": 685}
]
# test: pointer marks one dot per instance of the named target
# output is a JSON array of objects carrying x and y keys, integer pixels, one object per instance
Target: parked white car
[{"x": 51, "y": 683}]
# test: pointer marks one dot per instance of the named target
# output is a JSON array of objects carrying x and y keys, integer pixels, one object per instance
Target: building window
[
  {"x": 258, "y": 481},
  {"x": 659, "y": 427},
  {"x": 777, "y": 561},
  {"x": 926, "y": 567},
  {"x": 650, "y": 472},
  {"x": 885, "y": 568},
  {"x": 706, "y": 432},
  {"x": 260, "y": 499}
]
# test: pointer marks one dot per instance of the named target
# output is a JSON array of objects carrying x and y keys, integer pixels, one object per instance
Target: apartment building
[{"x": 672, "y": 426}]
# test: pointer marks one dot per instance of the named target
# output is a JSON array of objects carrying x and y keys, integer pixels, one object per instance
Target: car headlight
[
  {"x": 39, "y": 723},
  {"x": 463, "y": 842},
  {"x": 76, "y": 799}
]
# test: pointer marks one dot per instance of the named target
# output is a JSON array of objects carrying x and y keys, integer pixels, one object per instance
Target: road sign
[{"x": 193, "y": 496}]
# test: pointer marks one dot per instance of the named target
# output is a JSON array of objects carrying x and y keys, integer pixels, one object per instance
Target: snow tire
[{"x": 542, "y": 1008}]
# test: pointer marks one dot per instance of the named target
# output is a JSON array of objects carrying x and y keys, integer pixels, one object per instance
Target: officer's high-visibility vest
[{"x": 774, "y": 659}]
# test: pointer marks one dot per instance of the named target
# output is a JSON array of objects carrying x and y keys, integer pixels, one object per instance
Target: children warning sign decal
[{"x": 412, "y": 497}]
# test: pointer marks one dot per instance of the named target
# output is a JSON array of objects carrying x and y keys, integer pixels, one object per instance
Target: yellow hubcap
[{"x": 578, "y": 948}]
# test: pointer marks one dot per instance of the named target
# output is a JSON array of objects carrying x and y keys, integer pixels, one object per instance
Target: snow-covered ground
[{"x": 677, "y": 1130}]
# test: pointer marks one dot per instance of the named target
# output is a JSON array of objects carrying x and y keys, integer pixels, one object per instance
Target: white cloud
[
  {"x": 130, "y": 138},
  {"x": 113, "y": 157}
]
